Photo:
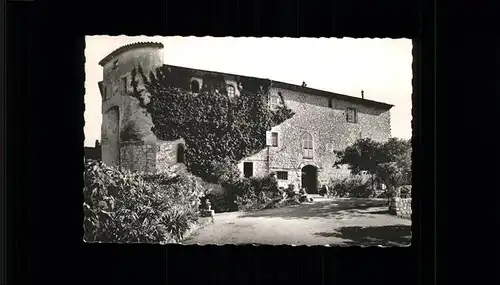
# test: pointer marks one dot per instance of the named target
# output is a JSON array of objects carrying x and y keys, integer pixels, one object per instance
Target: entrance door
[{"x": 310, "y": 179}]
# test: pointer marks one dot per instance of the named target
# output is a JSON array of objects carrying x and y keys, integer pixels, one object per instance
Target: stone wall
[
  {"x": 167, "y": 154},
  {"x": 401, "y": 207},
  {"x": 138, "y": 156},
  {"x": 329, "y": 129}
]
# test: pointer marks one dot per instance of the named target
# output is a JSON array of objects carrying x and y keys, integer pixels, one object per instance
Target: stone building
[
  {"x": 93, "y": 152},
  {"x": 300, "y": 150}
]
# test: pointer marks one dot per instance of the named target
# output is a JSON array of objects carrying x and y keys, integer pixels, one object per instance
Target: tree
[
  {"x": 395, "y": 167},
  {"x": 363, "y": 155},
  {"x": 389, "y": 161}
]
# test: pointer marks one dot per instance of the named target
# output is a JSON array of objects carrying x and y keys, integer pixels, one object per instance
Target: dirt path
[{"x": 325, "y": 222}]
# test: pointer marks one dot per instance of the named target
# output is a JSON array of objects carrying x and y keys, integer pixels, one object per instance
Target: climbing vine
[{"x": 215, "y": 127}]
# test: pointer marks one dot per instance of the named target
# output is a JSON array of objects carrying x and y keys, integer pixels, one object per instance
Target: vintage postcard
[{"x": 265, "y": 141}]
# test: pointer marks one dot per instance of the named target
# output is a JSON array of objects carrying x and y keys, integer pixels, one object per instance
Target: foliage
[
  {"x": 129, "y": 133},
  {"x": 346, "y": 187},
  {"x": 226, "y": 171},
  {"x": 390, "y": 161},
  {"x": 122, "y": 206},
  {"x": 405, "y": 191},
  {"x": 214, "y": 126}
]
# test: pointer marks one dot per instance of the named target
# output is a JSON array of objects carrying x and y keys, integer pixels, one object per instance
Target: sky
[{"x": 380, "y": 67}]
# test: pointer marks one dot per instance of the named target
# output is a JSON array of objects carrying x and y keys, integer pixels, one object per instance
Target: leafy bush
[
  {"x": 353, "y": 186},
  {"x": 130, "y": 133},
  {"x": 122, "y": 206},
  {"x": 250, "y": 193},
  {"x": 224, "y": 172},
  {"x": 405, "y": 191}
]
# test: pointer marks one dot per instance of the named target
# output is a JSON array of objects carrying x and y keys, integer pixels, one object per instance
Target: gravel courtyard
[{"x": 363, "y": 222}]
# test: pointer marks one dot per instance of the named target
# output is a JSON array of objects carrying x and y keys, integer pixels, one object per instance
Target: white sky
[{"x": 381, "y": 67}]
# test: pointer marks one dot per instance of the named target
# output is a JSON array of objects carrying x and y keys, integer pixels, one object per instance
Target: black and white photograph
[{"x": 264, "y": 141}]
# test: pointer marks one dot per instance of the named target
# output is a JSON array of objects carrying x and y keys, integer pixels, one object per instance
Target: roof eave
[{"x": 124, "y": 48}]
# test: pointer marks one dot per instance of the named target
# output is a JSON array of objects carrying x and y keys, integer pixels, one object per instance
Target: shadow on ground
[
  {"x": 394, "y": 235},
  {"x": 322, "y": 209}
]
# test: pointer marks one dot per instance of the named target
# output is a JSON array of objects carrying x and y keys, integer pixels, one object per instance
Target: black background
[{"x": 45, "y": 75}]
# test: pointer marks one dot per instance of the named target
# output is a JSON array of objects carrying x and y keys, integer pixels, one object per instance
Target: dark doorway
[
  {"x": 248, "y": 169},
  {"x": 180, "y": 153},
  {"x": 310, "y": 179}
]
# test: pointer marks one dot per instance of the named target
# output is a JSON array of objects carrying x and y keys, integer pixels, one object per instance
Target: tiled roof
[
  {"x": 128, "y": 47},
  {"x": 301, "y": 89}
]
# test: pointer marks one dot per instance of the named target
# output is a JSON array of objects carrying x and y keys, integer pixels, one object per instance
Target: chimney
[
  {"x": 304, "y": 84},
  {"x": 362, "y": 94}
]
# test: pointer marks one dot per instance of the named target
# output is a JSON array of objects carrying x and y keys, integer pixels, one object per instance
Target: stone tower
[{"x": 123, "y": 121}]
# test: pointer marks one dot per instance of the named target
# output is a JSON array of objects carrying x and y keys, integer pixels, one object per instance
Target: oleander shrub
[{"x": 123, "y": 206}]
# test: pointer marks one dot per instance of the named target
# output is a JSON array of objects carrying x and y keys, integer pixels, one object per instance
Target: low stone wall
[
  {"x": 167, "y": 154},
  {"x": 401, "y": 207}
]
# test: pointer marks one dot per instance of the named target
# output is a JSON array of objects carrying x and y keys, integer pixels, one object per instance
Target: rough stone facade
[
  {"x": 138, "y": 156},
  {"x": 121, "y": 111},
  {"x": 401, "y": 207},
  {"x": 320, "y": 114},
  {"x": 329, "y": 129}
]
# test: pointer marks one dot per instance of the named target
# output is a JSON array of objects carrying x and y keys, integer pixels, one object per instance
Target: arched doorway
[
  {"x": 310, "y": 179},
  {"x": 180, "y": 153}
]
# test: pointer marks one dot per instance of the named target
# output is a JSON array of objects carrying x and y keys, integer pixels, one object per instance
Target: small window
[
  {"x": 330, "y": 103},
  {"x": 115, "y": 64},
  {"x": 124, "y": 84},
  {"x": 352, "y": 115},
  {"x": 230, "y": 91},
  {"x": 282, "y": 175},
  {"x": 273, "y": 101},
  {"x": 248, "y": 169},
  {"x": 307, "y": 145},
  {"x": 195, "y": 86},
  {"x": 274, "y": 137}
]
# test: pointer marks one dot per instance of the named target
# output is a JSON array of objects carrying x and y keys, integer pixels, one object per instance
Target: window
[
  {"x": 352, "y": 115},
  {"x": 273, "y": 101},
  {"x": 282, "y": 175},
  {"x": 307, "y": 145},
  {"x": 115, "y": 64},
  {"x": 180, "y": 153},
  {"x": 274, "y": 139},
  {"x": 230, "y": 91},
  {"x": 248, "y": 169},
  {"x": 195, "y": 86},
  {"x": 330, "y": 103},
  {"x": 124, "y": 84}
]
